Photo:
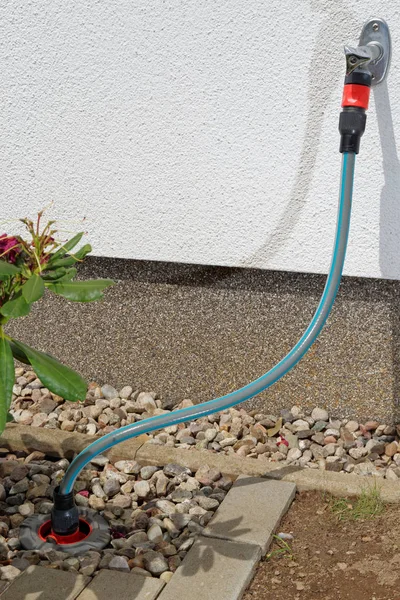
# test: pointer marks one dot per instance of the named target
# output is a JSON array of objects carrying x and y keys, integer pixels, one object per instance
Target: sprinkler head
[
  {"x": 69, "y": 528},
  {"x": 65, "y": 514}
]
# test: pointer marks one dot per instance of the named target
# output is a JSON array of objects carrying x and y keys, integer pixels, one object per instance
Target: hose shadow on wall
[
  {"x": 389, "y": 236},
  {"x": 337, "y": 23}
]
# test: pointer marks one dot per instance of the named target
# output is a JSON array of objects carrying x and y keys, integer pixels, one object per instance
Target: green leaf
[
  {"x": 9, "y": 418},
  {"x": 81, "y": 291},
  {"x": 68, "y": 261},
  {"x": 58, "y": 378},
  {"x": 7, "y": 270},
  {"x": 67, "y": 247},
  {"x": 33, "y": 289},
  {"x": 62, "y": 274},
  {"x": 7, "y": 376},
  {"x": 68, "y": 275},
  {"x": 18, "y": 354},
  {"x": 17, "y": 307},
  {"x": 54, "y": 275}
]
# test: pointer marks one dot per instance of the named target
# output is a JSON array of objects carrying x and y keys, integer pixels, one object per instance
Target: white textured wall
[{"x": 198, "y": 131}]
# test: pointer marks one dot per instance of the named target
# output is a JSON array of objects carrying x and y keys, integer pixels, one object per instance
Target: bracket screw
[{"x": 375, "y": 26}]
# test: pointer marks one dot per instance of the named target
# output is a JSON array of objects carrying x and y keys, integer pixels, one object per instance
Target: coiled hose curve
[{"x": 252, "y": 389}]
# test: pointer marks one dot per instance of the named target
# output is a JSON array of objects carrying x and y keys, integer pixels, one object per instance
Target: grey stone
[
  {"x": 358, "y": 453},
  {"x": 125, "y": 392},
  {"x": 320, "y": 414},
  {"x": 179, "y": 520},
  {"x": 109, "y": 392},
  {"x": 20, "y": 487},
  {"x": 89, "y": 563},
  {"x": 19, "y": 472},
  {"x": 100, "y": 460},
  {"x": 27, "y": 509},
  {"x": 329, "y": 450},
  {"x": 3, "y": 550},
  {"x": 155, "y": 533},
  {"x": 124, "y": 586},
  {"x": 300, "y": 425},
  {"x": 207, "y": 503},
  {"x": 155, "y": 562},
  {"x": 174, "y": 470},
  {"x": 43, "y": 583},
  {"x": 142, "y": 488},
  {"x": 249, "y": 498},
  {"x": 375, "y": 446},
  {"x": 166, "y": 506},
  {"x": 148, "y": 471},
  {"x": 119, "y": 563},
  {"x": 180, "y": 495},
  {"x": 215, "y": 569},
  {"x": 9, "y": 572},
  {"x": 111, "y": 487},
  {"x": 130, "y": 467},
  {"x": 20, "y": 563},
  {"x": 162, "y": 484},
  {"x": 293, "y": 454}
]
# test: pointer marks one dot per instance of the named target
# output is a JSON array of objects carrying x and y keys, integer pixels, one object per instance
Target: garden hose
[{"x": 65, "y": 518}]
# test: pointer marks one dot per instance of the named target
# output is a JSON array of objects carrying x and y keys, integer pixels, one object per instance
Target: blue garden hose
[{"x": 262, "y": 383}]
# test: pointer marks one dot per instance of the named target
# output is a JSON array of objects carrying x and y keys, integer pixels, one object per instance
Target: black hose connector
[
  {"x": 65, "y": 514},
  {"x": 355, "y": 101},
  {"x": 351, "y": 126}
]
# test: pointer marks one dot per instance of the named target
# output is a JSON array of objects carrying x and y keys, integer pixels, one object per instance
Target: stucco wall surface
[{"x": 198, "y": 132}]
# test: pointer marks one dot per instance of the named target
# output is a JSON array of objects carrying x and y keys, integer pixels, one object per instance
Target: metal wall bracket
[{"x": 375, "y": 35}]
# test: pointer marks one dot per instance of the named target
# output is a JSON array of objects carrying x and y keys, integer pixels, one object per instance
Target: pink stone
[{"x": 330, "y": 439}]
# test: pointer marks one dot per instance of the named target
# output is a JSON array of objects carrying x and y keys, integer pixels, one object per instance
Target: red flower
[{"x": 9, "y": 248}]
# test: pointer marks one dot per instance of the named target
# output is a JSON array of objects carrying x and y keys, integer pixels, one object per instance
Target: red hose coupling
[{"x": 356, "y": 95}]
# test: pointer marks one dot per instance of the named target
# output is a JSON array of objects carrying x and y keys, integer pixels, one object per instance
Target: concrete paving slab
[
  {"x": 40, "y": 583},
  {"x": 213, "y": 569},
  {"x": 123, "y": 586},
  {"x": 251, "y": 511}
]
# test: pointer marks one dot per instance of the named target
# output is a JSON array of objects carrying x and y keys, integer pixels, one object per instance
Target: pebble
[
  {"x": 155, "y": 562},
  {"x": 119, "y": 563},
  {"x": 142, "y": 488},
  {"x": 233, "y": 431},
  {"x": 160, "y": 510},
  {"x": 8, "y": 573},
  {"x": 148, "y": 472},
  {"x": 319, "y": 414},
  {"x": 126, "y": 392},
  {"x": 109, "y": 392}
]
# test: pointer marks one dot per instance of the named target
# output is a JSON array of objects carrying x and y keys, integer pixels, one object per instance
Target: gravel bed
[
  {"x": 311, "y": 440},
  {"x": 154, "y": 513}
]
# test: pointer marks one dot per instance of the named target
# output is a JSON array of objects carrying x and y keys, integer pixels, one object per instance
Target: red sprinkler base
[
  {"x": 93, "y": 534},
  {"x": 46, "y": 534}
]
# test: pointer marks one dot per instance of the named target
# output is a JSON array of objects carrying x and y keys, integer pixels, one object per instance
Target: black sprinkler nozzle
[{"x": 65, "y": 514}]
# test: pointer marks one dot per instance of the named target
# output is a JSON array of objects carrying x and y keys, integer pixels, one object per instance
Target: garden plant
[{"x": 27, "y": 267}]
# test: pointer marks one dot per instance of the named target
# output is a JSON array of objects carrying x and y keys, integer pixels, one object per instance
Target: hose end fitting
[
  {"x": 351, "y": 126},
  {"x": 65, "y": 514}
]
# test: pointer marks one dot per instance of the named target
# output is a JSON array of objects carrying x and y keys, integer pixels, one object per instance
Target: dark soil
[{"x": 331, "y": 559}]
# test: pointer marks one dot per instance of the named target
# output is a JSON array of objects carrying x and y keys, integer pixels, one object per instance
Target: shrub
[{"x": 27, "y": 268}]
